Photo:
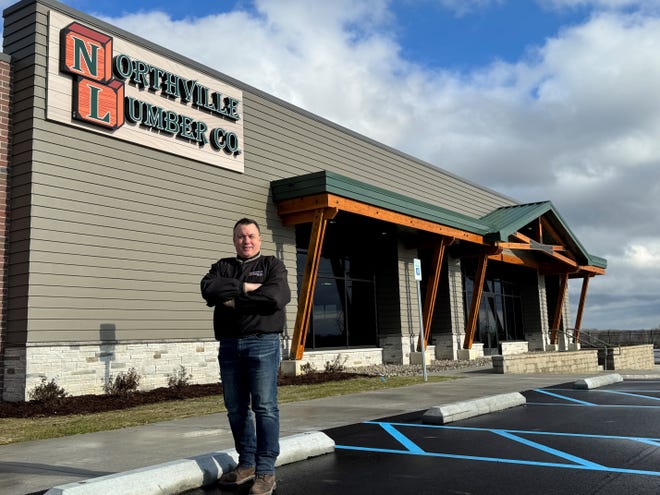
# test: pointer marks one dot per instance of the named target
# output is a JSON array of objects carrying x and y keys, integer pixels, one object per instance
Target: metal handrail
[
  {"x": 589, "y": 341},
  {"x": 605, "y": 346}
]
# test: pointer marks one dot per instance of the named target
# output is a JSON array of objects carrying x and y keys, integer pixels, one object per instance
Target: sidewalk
[{"x": 33, "y": 467}]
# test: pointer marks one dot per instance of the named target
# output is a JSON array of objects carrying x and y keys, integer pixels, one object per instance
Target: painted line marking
[
  {"x": 626, "y": 406},
  {"x": 576, "y": 462},
  {"x": 519, "y": 432},
  {"x": 599, "y": 390},
  {"x": 629, "y": 394},
  {"x": 401, "y": 438},
  {"x": 564, "y": 397},
  {"x": 549, "y": 450},
  {"x": 503, "y": 461},
  {"x": 648, "y": 441}
]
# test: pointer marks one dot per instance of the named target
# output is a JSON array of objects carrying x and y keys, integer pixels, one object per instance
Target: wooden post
[
  {"x": 306, "y": 296},
  {"x": 477, "y": 291},
  {"x": 578, "y": 318},
  {"x": 561, "y": 295},
  {"x": 432, "y": 291}
]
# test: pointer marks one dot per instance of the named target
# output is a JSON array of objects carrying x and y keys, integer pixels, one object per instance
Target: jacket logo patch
[{"x": 256, "y": 273}]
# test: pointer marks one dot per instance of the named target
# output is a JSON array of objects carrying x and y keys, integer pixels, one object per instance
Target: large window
[
  {"x": 344, "y": 309},
  {"x": 500, "y": 311},
  {"x": 344, "y": 306}
]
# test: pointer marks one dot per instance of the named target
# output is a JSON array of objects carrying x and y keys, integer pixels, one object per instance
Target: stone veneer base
[{"x": 85, "y": 368}]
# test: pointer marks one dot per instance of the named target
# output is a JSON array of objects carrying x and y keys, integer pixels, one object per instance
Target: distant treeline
[{"x": 620, "y": 337}]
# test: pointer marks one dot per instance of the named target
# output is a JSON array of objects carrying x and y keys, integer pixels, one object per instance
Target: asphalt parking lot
[{"x": 564, "y": 440}]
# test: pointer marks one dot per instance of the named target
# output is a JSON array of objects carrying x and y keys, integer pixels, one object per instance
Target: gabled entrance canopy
[
  {"x": 508, "y": 234},
  {"x": 539, "y": 227}
]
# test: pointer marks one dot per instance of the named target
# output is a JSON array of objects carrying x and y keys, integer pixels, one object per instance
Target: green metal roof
[
  {"x": 497, "y": 225},
  {"x": 332, "y": 183},
  {"x": 510, "y": 219},
  {"x": 507, "y": 220}
]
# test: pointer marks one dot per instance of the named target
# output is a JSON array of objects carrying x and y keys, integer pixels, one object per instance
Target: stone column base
[
  {"x": 429, "y": 355},
  {"x": 477, "y": 351},
  {"x": 291, "y": 367}
]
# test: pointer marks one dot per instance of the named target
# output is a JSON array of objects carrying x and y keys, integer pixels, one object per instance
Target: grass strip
[{"x": 13, "y": 430}]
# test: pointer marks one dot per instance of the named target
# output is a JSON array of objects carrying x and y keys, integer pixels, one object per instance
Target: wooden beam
[
  {"x": 565, "y": 259},
  {"x": 528, "y": 244},
  {"x": 550, "y": 229},
  {"x": 512, "y": 259},
  {"x": 297, "y": 218},
  {"x": 306, "y": 297},
  {"x": 302, "y": 210},
  {"x": 578, "y": 318},
  {"x": 432, "y": 290},
  {"x": 561, "y": 295},
  {"x": 529, "y": 247},
  {"x": 298, "y": 205},
  {"x": 477, "y": 291},
  {"x": 593, "y": 270},
  {"x": 521, "y": 237},
  {"x": 306, "y": 203}
]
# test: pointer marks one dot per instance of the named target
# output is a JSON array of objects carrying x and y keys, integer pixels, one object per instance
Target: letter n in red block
[
  {"x": 99, "y": 104},
  {"x": 86, "y": 52}
]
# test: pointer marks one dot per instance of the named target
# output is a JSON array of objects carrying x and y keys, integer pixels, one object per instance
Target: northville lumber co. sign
[{"x": 109, "y": 91}]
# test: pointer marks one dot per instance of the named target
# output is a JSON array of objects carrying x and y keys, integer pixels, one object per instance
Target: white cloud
[
  {"x": 602, "y": 4},
  {"x": 465, "y": 7}
]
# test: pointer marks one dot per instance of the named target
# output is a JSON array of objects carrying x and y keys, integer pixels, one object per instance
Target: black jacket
[{"x": 259, "y": 311}]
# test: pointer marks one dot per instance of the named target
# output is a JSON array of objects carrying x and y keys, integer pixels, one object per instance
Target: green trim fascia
[
  {"x": 332, "y": 183},
  {"x": 497, "y": 225}
]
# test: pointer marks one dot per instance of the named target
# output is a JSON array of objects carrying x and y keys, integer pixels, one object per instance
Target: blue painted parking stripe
[
  {"x": 586, "y": 435},
  {"x": 521, "y": 432},
  {"x": 401, "y": 438},
  {"x": 613, "y": 406},
  {"x": 564, "y": 397},
  {"x": 630, "y": 394},
  {"x": 503, "y": 461},
  {"x": 577, "y": 462},
  {"x": 596, "y": 390},
  {"x": 545, "y": 448},
  {"x": 648, "y": 441}
]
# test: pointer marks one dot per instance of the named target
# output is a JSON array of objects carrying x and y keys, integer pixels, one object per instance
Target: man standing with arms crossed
[{"x": 249, "y": 293}]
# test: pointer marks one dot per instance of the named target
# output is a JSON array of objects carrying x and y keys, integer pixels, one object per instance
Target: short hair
[{"x": 246, "y": 221}]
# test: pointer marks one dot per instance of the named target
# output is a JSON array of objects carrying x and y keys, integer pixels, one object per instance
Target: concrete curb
[
  {"x": 187, "y": 474},
  {"x": 651, "y": 376},
  {"x": 470, "y": 408},
  {"x": 597, "y": 381}
]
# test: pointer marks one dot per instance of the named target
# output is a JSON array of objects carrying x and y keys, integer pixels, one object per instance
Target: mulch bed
[{"x": 86, "y": 404}]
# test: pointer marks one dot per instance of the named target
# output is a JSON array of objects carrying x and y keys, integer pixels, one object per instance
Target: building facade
[{"x": 123, "y": 167}]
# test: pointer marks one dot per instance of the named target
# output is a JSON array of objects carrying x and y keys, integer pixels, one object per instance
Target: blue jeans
[{"x": 248, "y": 368}]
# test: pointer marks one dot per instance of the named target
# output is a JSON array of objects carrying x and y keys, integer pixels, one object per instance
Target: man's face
[{"x": 247, "y": 240}]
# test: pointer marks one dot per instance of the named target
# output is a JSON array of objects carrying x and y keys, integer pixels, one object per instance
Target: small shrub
[
  {"x": 307, "y": 369},
  {"x": 124, "y": 383},
  {"x": 336, "y": 365},
  {"x": 47, "y": 391},
  {"x": 179, "y": 379}
]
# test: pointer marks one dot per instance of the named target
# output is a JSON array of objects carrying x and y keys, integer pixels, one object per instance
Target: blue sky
[
  {"x": 429, "y": 32},
  {"x": 540, "y": 100},
  {"x": 433, "y": 35}
]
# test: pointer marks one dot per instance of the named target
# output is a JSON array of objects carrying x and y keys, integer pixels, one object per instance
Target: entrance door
[
  {"x": 488, "y": 324},
  {"x": 328, "y": 314}
]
